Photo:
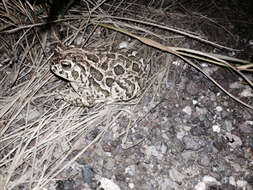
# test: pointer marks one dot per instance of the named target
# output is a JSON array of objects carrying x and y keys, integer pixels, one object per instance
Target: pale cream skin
[{"x": 99, "y": 76}]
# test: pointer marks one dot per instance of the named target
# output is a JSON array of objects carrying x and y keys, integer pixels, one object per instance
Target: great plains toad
[{"x": 99, "y": 75}]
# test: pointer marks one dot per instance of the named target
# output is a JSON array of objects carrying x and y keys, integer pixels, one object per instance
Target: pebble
[
  {"x": 219, "y": 108},
  {"x": 204, "y": 160},
  {"x": 249, "y": 179},
  {"x": 249, "y": 142},
  {"x": 106, "y": 184},
  {"x": 228, "y": 125},
  {"x": 67, "y": 184},
  {"x": 234, "y": 140},
  {"x": 246, "y": 93},
  {"x": 201, "y": 111},
  {"x": 235, "y": 85},
  {"x": 194, "y": 102},
  {"x": 164, "y": 148},
  {"x": 180, "y": 135},
  {"x": 130, "y": 170},
  {"x": 87, "y": 174},
  {"x": 192, "y": 88},
  {"x": 206, "y": 180},
  {"x": 193, "y": 142},
  {"x": 167, "y": 183},
  {"x": 151, "y": 151},
  {"x": 249, "y": 122},
  {"x": 198, "y": 131},
  {"x": 131, "y": 185},
  {"x": 200, "y": 186},
  {"x": 241, "y": 184},
  {"x": 232, "y": 181},
  {"x": 109, "y": 165},
  {"x": 204, "y": 64},
  {"x": 216, "y": 128},
  {"x": 123, "y": 44},
  {"x": 176, "y": 147},
  {"x": 177, "y": 63},
  {"x": 210, "y": 179},
  {"x": 187, "y": 110},
  {"x": 176, "y": 176},
  {"x": 246, "y": 129}
]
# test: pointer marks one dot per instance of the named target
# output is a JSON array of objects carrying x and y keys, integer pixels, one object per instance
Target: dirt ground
[{"x": 182, "y": 133}]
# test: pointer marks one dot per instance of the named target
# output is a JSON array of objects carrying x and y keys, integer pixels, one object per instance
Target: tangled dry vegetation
[{"x": 38, "y": 133}]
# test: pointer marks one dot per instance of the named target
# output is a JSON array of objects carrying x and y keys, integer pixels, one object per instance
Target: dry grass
[{"x": 38, "y": 134}]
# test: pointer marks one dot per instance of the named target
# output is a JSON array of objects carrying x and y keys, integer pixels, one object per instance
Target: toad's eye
[{"x": 66, "y": 65}]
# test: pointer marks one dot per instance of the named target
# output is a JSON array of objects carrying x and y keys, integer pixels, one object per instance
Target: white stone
[
  {"x": 204, "y": 64},
  {"x": 194, "y": 102},
  {"x": 151, "y": 151},
  {"x": 188, "y": 110},
  {"x": 241, "y": 184},
  {"x": 232, "y": 181},
  {"x": 163, "y": 148},
  {"x": 219, "y": 108},
  {"x": 200, "y": 186},
  {"x": 123, "y": 44},
  {"x": 249, "y": 122},
  {"x": 131, "y": 185},
  {"x": 107, "y": 184},
  {"x": 180, "y": 135},
  {"x": 246, "y": 93},
  {"x": 235, "y": 85},
  {"x": 130, "y": 170},
  {"x": 210, "y": 179},
  {"x": 216, "y": 128},
  {"x": 177, "y": 63}
]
